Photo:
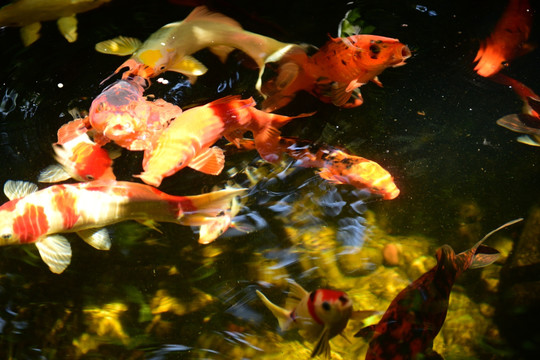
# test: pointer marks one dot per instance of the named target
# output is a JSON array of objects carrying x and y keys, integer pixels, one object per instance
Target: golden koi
[
  {"x": 170, "y": 48},
  {"x": 39, "y": 217}
]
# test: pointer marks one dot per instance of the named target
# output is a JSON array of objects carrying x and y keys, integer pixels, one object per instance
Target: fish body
[
  {"x": 337, "y": 166},
  {"x": 415, "y": 316},
  {"x": 39, "y": 217},
  {"x": 508, "y": 39},
  {"x": 81, "y": 159},
  {"x": 336, "y": 71},
  {"x": 122, "y": 114},
  {"x": 28, "y": 14},
  {"x": 319, "y": 315},
  {"x": 188, "y": 139},
  {"x": 170, "y": 48}
]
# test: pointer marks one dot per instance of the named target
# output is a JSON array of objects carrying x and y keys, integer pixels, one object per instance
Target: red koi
[
  {"x": 507, "y": 41},
  {"x": 415, "y": 316},
  {"x": 39, "y": 217}
]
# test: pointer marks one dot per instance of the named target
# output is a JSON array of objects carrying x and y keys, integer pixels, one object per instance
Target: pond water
[{"x": 161, "y": 295}]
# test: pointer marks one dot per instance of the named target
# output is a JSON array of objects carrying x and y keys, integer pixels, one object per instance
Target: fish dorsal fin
[
  {"x": 53, "y": 174},
  {"x": 121, "y": 46},
  {"x": 322, "y": 346},
  {"x": 55, "y": 252},
  {"x": 202, "y": 13},
  {"x": 296, "y": 294},
  {"x": 188, "y": 66},
  {"x": 210, "y": 162},
  {"x": 68, "y": 27},
  {"x": 98, "y": 238},
  {"x": 18, "y": 189},
  {"x": 282, "y": 315}
]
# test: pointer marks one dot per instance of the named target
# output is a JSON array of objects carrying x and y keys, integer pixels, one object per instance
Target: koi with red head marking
[
  {"x": 415, "y": 316},
  {"x": 319, "y": 315},
  {"x": 507, "y": 41},
  {"x": 39, "y": 217}
]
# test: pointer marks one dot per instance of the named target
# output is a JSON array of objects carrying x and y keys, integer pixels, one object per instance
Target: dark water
[{"x": 432, "y": 126}]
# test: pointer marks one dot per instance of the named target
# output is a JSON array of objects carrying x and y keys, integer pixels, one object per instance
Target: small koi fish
[
  {"x": 39, "y": 217},
  {"x": 188, "y": 139},
  {"x": 507, "y": 41},
  {"x": 81, "y": 159},
  {"x": 415, "y": 316},
  {"x": 335, "y": 72},
  {"x": 170, "y": 48},
  {"x": 319, "y": 315},
  {"x": 336, "y": 166}
]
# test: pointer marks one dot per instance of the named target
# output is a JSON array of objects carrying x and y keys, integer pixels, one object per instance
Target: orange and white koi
[
  {"x": 169, "y": 48},
  {"x": 122, "y": 114},
  {"x": 319, "y": 315},
  {"x": 335, "y": 72},
  {"x": 39, "y": 217},
  {"x": 81, "y": 159},
  {"x": 337, "y": 166},
  {"x": 188, "y": 139},
  {"x": 507, "y": 41}
]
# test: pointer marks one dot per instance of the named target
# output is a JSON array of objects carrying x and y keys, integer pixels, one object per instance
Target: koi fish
[
  {"x": 507, "y": 41},
  {"x": 337, "y": 166},
  {"x": 81, "y": 159},
  {"x": 170, "y": 48},
  {"x": 122, "y": 114},
  {"x": 415, "y": 316},
  {"x": 29, "y": 13},
  {"x": 335, "y": 72},
  {"x": 39, "y": 217},
  {"x": 319, "y": 315},
  {"x": 188, "y": 139}
]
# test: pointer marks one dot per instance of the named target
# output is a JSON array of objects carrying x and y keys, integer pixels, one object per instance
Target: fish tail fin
[
  {"x": 281, "y": 314},
  {"x": 205, "y": 14},
  {"x": 203, "y": 209}
]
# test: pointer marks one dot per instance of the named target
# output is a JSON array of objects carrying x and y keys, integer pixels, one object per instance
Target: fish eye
[
  {"x": 505, "y": 64},
  {"x": 374, "y": 49},
  {"x": 89, "y": 177},
  {"x": 343, "y": 299},
  {"x": 6, "y": 236},
  {"x": 326, "y": 306}
]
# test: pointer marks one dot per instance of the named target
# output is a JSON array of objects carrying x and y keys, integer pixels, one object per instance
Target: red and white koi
[{"x": 39, "y": 217}]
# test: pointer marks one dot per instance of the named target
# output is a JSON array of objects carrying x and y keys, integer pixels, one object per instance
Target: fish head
[
  {"x": 92, "y": 162},
  {"x": 7, "y": 235},
  {"x": 151, "y": 62},
  {"x": 377, "y": 52},
  {"x": 332, "y": 308}
]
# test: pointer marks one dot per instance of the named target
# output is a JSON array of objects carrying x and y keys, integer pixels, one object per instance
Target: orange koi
[
  {"x": 80, "y": 159},
  {"x": 188, "y": 139},
  {"x": 507, "y": 41},
  {"x": 122, "y": 114},
  {"x": 335, "y": 72},
  {"x": 39, "y": 217},
  {"x": 337, "y": 166}
]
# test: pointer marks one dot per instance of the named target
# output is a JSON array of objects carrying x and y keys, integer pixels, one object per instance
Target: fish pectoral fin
[
  {"x": 210, "y": 162},
  {"x": 68, "y": 27},
  {"x": 267, "y": 143},
  {"x": 363, "y": 314},
  {"x": 151, "y": 224},
  {"x": 120, "y": 46},
  {"x": 339, "y": 94},
  {"x": 376, "y": 81},
  {"x": 53, "y": 174},
  {"x": 322, "y": 346},
  {"x": 55, "y": 252},
  {"x": 30, "y": 33},
  {"x": 188, "y": 66},
  {"x": 527, "y": 140},
  {"x": 366, "y": 332},
  {"x": 221, "y": 51},
  {"x": 296, "y": 294},
  {"x": 15, "y": 189},
  {"x": 98, "y": 238},
  {"x": 282, "y": 315}
]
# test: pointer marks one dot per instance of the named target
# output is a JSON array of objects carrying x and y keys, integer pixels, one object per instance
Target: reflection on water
[{"x": 161, "y": 295}]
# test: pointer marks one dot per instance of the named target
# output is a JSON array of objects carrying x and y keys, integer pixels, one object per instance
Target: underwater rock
[
  {"x": 518, "y": 309},
  {"x": 390, "y": 254}
]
